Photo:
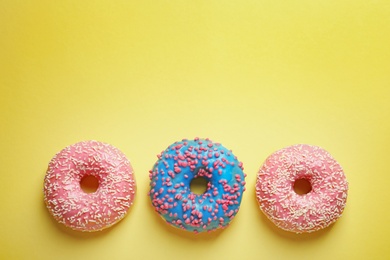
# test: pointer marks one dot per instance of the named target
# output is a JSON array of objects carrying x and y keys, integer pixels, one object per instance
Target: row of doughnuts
[{"x": 174, "y": 199}]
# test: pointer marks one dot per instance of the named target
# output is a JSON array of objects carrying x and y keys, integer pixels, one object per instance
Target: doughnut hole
[
  {"x": 198, "y": 185},
  {"x": 89, "y": 184},
  {"x": 302, "y": 186}
]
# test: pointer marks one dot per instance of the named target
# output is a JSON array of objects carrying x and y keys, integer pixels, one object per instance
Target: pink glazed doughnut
[
  {"x": 313, "y": 211},
  {"x": 82, "y": 211}
]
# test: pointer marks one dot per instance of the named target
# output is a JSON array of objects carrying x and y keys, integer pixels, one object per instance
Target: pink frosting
[
  {"x": 313, "y": 211},
  {"x": 74, "y": 208}
]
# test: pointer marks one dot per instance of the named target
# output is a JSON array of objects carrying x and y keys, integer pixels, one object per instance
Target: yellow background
[{"x": 254, "y": 75}]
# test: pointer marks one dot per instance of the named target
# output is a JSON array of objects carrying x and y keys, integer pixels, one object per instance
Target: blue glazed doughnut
[{"x": 173, "y": 172}]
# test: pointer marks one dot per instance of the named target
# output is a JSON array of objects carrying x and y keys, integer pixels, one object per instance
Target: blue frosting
[{"x": 172, "y": 174}]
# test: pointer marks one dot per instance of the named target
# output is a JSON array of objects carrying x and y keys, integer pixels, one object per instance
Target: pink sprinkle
[{"x": 171, "y": 173}]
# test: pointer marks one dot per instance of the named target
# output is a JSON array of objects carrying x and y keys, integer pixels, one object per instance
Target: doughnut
[
  {"x": 185, "y": 161},
  {"x": 301, "y": 213},
  {"x": 78, "y": 210}
]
